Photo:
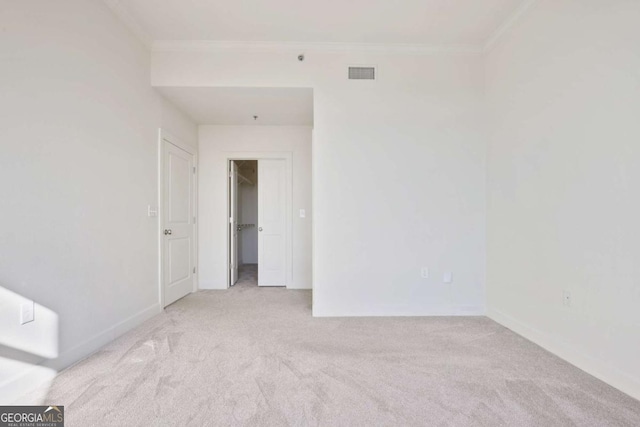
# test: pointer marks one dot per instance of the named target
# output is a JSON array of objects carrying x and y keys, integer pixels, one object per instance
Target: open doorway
[
  {"x": 244, "y": 238},
  {"x": 259, "y": 222},
  {"x": 258, "y": 124}
]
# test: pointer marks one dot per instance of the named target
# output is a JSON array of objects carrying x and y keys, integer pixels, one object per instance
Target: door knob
[
  {"x": 259, "y": 228},
  {"x": 167, "y": 232}
]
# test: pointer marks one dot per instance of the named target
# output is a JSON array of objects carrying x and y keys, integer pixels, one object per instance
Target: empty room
[{"x": 371, "y": 213}]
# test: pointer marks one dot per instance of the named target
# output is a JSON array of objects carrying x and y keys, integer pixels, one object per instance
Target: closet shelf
[{"x": 244, "y": 180}]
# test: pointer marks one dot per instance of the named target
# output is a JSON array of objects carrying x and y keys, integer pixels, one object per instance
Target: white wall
[
  {"x": 563, "y": 92},
  {"x": 249, "y": 215},
  {"x": 213, "y": 143},
  {"x": 398, "y": 174},
  {"x": 78, "y": 167},
  {"x": 398, "y": 180},
  {"x": 178, "y": 124}
]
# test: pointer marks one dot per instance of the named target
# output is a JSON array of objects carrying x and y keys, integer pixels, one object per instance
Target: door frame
[
  {"x": 233, "y": 230},
  {"x": 287, "y": 156},
  {"x": 164, "y": 135}
]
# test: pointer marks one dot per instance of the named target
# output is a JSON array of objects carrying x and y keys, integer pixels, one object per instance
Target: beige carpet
[
  {"x": 247, "y": 275},
  {"x": 255, "y": 356}
]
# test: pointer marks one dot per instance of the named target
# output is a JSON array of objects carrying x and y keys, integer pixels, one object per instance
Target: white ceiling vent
[{"x": 362, "y": 73}]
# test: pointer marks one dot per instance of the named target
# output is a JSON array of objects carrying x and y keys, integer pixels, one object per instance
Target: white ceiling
[
  {"x": 237, "y": 106},
  {"x": 424, "y": 22}
]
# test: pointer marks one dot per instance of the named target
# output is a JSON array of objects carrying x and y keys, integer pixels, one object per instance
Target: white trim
[
  {"x": 20, "y": 390},
  {"x": 312, "y": 208},
  {"x": 164, "y": 135},
  {"x": 594, "y": 366},
  {"x": 507, "y": 25},
  {"x": 32, "y": 379},
  {"x": 451, "y": 311},
  {"x": 298, "y": 47},
  {"x": 137, "y": 29},
  {"x": 95, "y": 343},
  {"x": 287, "y": 156},
  {"x": 132, "y": 23}
]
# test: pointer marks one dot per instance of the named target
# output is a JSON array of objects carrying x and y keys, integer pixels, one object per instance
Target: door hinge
[
  {"x": 194, "y": 270},
  {"x": 230, "y": 220},
  {"x": 194, "y": 169}
]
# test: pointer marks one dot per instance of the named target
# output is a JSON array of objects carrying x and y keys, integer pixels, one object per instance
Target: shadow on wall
[{"x": 25, "y": 347}]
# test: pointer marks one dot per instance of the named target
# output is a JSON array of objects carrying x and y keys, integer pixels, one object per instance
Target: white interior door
[
  {"x": 178, "y": 262},
  {"x": 233, "y": 223},
  {"x": 272, "y": 247}
]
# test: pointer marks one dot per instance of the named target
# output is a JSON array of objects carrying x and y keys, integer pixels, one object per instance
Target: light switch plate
[
  {"x": 27, "y": 314},
  {"x": 152, "y": 211},
  {"x": 303, "y": 213},
  {"x": 424, "y": 273},
  {"x": 448, "y": 277}
]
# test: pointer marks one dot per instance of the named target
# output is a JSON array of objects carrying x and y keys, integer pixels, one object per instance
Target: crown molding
[
  {"x": 332, "y": 47},
  {"x": 286, "y": 47},
  {"x": 130, "y": 21},
  {"x": 507, "y": 24}
]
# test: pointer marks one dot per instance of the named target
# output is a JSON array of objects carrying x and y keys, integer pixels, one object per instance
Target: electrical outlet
[
  {"x": 448, "y": 277},
  {"x": 566, "y": 298},
  {"x": 26, "y": 312},
  {"x": 424, "y": 273}
]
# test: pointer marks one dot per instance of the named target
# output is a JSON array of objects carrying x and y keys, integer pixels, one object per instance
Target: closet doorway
[{"x": 259, "y": 224}]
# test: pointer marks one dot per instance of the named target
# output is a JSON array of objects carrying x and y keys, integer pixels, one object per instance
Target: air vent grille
[{"x": 362, "y": 73}]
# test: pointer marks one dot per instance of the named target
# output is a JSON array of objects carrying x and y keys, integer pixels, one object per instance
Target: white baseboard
[
  {"x": 213, "y": 286},
  {"x": 395, "y": 312},
  {"x": 591, "y": 365},
  {"x": 206, "y": 286},
  {"x": 32, "y": 378},
  {"x": 90, "y": 346},
  {"x": 295, "y": 287},
  {"x": 19, "y": 389}
]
